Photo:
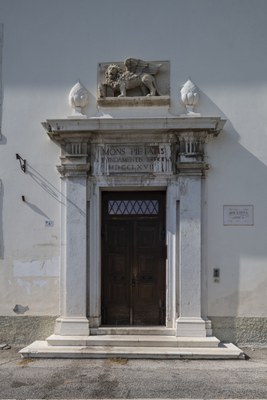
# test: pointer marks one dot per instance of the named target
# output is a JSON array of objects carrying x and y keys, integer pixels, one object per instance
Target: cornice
[{"x": 82, "y": 129}]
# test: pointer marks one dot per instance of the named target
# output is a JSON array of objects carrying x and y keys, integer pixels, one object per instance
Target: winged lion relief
[{"x": 134, "y": 77}]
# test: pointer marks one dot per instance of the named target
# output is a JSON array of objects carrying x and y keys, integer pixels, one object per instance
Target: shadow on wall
[
  {"x": 46, "y": 186},
  {"x": 44, "y": 183},
  {"x": 50, "y": 189},
  {"x": 3, "y": 141},
  {"x": 236, "y": 178},
  {"x": 36, "y": 209},
  {"x": 240, "y": 184}
]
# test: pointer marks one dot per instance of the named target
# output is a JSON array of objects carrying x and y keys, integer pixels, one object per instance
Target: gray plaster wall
[
  {"x": 25, "y": 329},
  {"x": 241, "y": 330}
]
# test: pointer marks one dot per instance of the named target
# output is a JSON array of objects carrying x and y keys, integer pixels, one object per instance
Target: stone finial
[
  {"x": 78, "y": 98},
  {"x": 190, "y": 96}
]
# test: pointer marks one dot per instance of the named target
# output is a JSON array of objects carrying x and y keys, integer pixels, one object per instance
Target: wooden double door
[{"x": 133, "y": 258}]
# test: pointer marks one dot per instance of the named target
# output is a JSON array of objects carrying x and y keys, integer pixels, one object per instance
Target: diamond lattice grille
[{"x": 133, "y": 207}]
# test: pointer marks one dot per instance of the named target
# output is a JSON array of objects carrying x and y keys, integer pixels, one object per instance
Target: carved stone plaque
[
  {"x": 238, "y": 215},
  {"x": 132, "y": 159},
  {"x": 134, "y": 82}
]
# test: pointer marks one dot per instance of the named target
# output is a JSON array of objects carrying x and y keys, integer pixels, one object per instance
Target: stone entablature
[{"x": 133, "y": 145}]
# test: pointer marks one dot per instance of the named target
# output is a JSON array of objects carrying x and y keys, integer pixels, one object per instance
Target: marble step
[
  {"x": 41, "y": 349},
  {"x": 133, "y": 330},
  {"x": 133, "y": 341}
]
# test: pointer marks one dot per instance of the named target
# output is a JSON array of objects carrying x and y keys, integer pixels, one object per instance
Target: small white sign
[{"x": 238, "y": 215}]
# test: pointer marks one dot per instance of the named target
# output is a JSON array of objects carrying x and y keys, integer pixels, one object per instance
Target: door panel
[
  {"x": 133, "y": 263},
  {"x": 147, "y": 270},
  {"x": 116, "y": 272}
]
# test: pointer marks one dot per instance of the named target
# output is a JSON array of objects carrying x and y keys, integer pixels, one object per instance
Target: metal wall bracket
[{"x": 22, "y": 162}]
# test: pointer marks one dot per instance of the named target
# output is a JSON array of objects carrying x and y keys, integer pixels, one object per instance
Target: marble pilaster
[
  {"x": 73, "y": 319},
  {"x": 190, "y": 322}
]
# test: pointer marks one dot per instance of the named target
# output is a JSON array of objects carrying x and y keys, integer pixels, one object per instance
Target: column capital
[
  {"x": 191, "y": 152},
  {"x": 74, "y": 165}
]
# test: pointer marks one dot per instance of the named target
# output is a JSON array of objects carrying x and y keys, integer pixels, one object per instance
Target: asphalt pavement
[{"x": 133, "y": 379}]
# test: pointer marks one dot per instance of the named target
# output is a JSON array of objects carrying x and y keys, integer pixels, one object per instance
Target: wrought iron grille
[{"x": 133, "y": 207}]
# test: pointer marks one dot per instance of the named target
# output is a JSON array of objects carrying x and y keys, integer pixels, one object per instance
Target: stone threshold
[
  {"x": 133, "y": 341},
  {"x": 133, "y": 330},
  {"x": 41, "y": 349},
  {"x": 140, "y": 346}
]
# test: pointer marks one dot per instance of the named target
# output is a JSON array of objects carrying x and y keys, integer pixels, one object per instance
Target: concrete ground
[{"x": 120, "y": 378}]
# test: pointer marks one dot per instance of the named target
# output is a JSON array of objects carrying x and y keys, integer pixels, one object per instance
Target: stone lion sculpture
[{"x": 136, "y": 73}]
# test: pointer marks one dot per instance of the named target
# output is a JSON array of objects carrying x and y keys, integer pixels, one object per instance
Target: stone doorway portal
[
  {"x": 133, "y": 258},
  {"x": 101, "y": 158}
]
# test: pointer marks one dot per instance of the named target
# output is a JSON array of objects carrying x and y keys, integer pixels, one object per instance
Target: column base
[
  {"x": 94, "y": 322},
  {"x": 72, "y": 326},
  {"x": 192, "y": 327}
]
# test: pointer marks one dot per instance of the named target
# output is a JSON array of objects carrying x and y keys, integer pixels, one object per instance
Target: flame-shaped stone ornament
[
  {"x": 78, "y": 98},
  {"x": 190, "y": 96}
]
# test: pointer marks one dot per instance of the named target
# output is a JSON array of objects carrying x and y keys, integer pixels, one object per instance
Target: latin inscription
[{"x": 127, "y": 159}]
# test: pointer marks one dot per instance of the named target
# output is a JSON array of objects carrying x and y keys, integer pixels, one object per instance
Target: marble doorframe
[
  {"x": 81, "y": 216},
  {"x": 94, "y": 199}
]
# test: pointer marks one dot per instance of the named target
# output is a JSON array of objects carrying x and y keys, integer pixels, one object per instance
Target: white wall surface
[{"x": 49, "y": 45}]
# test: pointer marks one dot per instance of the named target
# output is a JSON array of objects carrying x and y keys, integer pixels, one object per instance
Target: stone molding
[
  {"x": 137, "y": 101},
  {"x": 191, "y": 153},
  {"x": 74, "y": 165},
  {"x": 61, "y": 130}
]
